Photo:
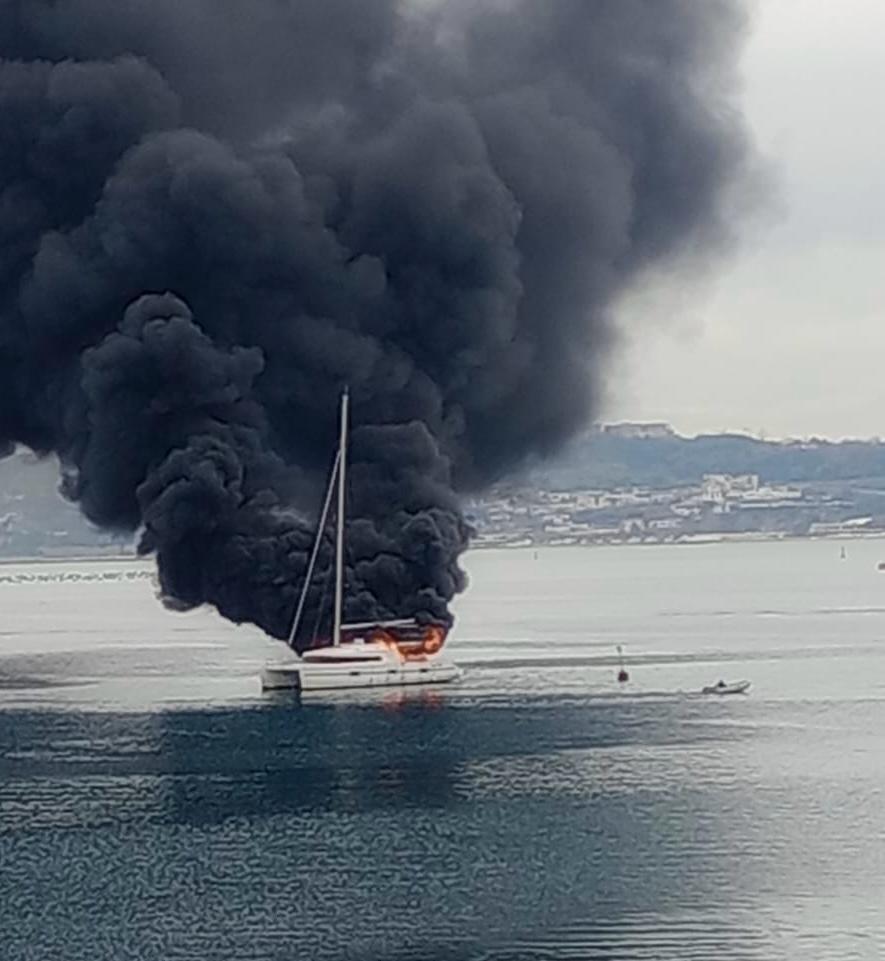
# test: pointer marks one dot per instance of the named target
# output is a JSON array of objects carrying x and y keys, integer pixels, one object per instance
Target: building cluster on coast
[
  {"x": 618, "y": 483},
  {"x": 721, "y": 506}
]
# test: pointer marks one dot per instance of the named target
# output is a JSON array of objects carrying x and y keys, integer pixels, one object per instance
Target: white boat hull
[{"x": 356, "y": 666}]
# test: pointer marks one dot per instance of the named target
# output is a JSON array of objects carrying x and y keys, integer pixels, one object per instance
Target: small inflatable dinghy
[{"x": 736, "y": 687}]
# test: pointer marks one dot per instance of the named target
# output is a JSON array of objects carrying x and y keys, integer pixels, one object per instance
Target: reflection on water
[
  {"x": 535, "y": 812},
  {"x": 434, "y": 828}
]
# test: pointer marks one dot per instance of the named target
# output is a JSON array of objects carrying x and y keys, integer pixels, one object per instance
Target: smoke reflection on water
[
  {"x": 422, "y": 827},
  {"x": 439, "y": 822}
]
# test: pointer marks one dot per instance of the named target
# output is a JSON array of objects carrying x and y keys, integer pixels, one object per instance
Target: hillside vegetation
[{"x": 606, "y": 460}]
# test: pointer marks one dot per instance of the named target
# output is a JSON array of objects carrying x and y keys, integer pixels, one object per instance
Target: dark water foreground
[
  {"x": 447, "y": 826},
  {"x": 154, "y": 807}
]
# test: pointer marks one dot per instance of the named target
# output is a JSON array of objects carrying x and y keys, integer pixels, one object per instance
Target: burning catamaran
[{"x": 370, "y": 654}]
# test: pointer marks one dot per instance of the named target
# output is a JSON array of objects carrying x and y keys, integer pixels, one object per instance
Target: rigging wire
[
  {"x": 316, "y": 549},
  {"x": 322, "y": 604}
]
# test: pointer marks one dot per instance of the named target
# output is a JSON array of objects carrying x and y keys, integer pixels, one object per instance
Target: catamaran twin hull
[{"x": 357, "y": 665}]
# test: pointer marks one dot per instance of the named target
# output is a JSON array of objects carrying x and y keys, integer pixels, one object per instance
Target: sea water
[{"x": 155, "y": 806}]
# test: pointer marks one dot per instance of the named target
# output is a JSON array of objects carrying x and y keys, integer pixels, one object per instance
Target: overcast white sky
[{"x": 788, "y": 338}]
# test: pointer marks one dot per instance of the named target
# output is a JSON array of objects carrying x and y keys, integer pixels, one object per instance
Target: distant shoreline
[
  {"x": 690, "y": 541},
  {"x": 694, "y": 541},
  {"x": 70, "y": 559}
]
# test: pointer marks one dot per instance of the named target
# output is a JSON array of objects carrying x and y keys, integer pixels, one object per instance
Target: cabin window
[{"x": 331, "y": 659}]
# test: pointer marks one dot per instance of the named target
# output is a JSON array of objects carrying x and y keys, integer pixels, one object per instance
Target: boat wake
[{"x": 712, "y": 657}]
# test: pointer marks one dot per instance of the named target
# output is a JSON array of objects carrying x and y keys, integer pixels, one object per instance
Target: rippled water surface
[{"x": 154, "y": 806}]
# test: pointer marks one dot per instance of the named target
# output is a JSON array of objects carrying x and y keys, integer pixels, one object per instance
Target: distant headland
[{"x": 615, "y": 483}]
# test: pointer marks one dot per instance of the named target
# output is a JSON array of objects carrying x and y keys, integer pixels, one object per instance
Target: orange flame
[
  {"x": 434, "y": 638},
  {"x": 412, "y": 647}
]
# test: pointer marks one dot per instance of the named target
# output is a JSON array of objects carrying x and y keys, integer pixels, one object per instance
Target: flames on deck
[{"x": 410, "y": 643}]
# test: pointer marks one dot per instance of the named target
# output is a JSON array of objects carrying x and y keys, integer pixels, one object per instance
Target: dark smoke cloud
[
  {"x": 216, "y": 213},
  {"x": 239, "y": 66}
]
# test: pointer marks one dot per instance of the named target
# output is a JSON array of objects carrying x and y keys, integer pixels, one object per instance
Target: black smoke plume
[{"x": 216, "y": 213}]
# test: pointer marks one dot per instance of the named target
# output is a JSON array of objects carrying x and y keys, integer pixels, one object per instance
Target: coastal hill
[
  {"x": 644, "y": 483},
  {"x": 654, "y": 455},
  {"x": 837, "y": 481}
]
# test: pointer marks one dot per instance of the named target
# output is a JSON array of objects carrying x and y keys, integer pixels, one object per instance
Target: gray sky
[{"x": 787, "y": 337}]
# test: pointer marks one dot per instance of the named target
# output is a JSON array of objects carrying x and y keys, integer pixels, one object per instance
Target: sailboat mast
[
  {"x": 321, "y": 526},
  {"x": 339, "y": 532}
]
